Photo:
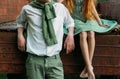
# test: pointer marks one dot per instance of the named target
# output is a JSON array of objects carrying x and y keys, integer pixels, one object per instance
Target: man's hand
[
  {"x": 21, "y": 40},
  {"x": 21, "y": 43},
  {"x": 69, "y": 43}
]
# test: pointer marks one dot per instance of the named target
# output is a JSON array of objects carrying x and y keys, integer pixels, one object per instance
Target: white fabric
[{"x": 35, "y": 41}]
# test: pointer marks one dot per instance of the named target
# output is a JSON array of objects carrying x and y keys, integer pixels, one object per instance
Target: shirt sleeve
[
  {"x": 21, "y": 19},
  {"x": 68, "y": 20}
]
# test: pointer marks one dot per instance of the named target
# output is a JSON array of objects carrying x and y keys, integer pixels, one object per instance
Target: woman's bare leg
[
  {"x": 83, "y": 39},
  {"x": 91, "y": 48},
  {"x": 91, "y": 44},
  {"x": 85, "y": 51}
]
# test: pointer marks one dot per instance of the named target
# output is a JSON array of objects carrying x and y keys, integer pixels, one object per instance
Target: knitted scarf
[{"x": 47, "y": 16}]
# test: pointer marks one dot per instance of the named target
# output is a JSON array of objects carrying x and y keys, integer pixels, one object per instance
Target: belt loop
[{"x": 56, "y": 56}]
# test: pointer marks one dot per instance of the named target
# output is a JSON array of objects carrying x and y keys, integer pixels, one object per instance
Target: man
[{"x": 43, "y": 43}]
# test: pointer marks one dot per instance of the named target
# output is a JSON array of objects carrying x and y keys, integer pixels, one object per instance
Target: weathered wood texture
[
  {"x": 11, "y": 60},
  {"x": 106, "y": 59},
  {"x": 9, "y": 9},
  {"x": 110, "y": 9}
]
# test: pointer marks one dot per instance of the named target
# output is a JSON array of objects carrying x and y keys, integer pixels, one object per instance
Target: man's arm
[
  {"x": 21, "y": 20},
  {"x": 69, "y": 41},
  {"x": 21, "y": 40},
  {"x": 69, "y": 23}
]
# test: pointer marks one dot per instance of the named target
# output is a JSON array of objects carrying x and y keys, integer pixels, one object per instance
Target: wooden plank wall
[
  {"x": 106, "y": 59},
  {"x": 9, "y": 9},
  {"x": 11, "y": 60},
  {"x": 110, "y": 9}
]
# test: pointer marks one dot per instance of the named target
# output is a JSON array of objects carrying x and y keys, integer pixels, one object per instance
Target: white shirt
[{"x": 35, "y": 41}]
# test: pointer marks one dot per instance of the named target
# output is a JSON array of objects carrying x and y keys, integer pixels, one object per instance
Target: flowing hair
[
  {"x": 69, "y": 4},
  {"x": 87, "y": 9}
]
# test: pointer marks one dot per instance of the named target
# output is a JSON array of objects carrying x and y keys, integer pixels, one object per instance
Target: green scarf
[{"x": 47, "y": 16}]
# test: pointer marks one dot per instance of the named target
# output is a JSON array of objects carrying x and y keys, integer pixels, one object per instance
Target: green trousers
[
  {"x": 3, "y": 76},
  {"x": 44, "y": 67}
]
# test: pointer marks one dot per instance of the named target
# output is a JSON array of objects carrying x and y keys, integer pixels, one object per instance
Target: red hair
[
  {"x": 69, "y": 4},
  {"x": 87, "y": 7}
]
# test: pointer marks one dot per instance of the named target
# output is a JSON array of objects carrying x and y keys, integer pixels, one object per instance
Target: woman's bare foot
[
  {"x": 84, "y": 73},
  {"x": 91, "y": 74}
]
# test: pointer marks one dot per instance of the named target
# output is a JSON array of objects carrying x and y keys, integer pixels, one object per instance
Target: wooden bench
[{"x": 106, "y": 60}]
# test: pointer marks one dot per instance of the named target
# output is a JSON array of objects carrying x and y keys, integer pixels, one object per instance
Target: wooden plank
[
  {"x": 12, "y": 68},
  {"x": 106, "y": 59},
  {"x": 8, "y": 37},
  {"x": 13, "y": 58},
  {"x": 99, "y": 70},
  {"x": 110, "y": 10},
  {"x": 107, "y": 70},
  {"x": 9, "y": 48},
  {"x": 72, "y": 69},
  {"x": 108, "y": 51},
  {"x": 110, "y": 40},
  {"x": 106, "y": 56}
]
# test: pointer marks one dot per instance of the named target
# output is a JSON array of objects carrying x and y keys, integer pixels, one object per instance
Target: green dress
[{"x": 82, "y": 24}]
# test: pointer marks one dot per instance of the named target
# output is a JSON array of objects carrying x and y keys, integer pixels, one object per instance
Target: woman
[
  {"x": 87, "y": 46},
  {"x": 87, "y": 22}
]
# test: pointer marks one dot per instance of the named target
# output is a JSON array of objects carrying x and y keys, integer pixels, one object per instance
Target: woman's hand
[
  {"x": 104, "y": 25},
  {"x": 69, "y": 43},
  {"x": 21, "y": 43}
]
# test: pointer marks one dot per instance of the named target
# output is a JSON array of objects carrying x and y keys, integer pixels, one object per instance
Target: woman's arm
[{"x": 96, "y": 16}]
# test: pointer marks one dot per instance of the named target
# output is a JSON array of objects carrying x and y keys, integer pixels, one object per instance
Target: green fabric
[
  {"x": 77, "y": 10},
  {"x": 47, "y": 16},
  {"x": 82, "y": 24},
  {"x": 92, "y": 26},
  {"x": 3, "y": 76},
  {"x": 44, "y": 67}
]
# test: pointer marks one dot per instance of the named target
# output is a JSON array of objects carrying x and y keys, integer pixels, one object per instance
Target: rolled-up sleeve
[
  {"x": 68, "y": 20},
  {"x": 21, "y": 18}
]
